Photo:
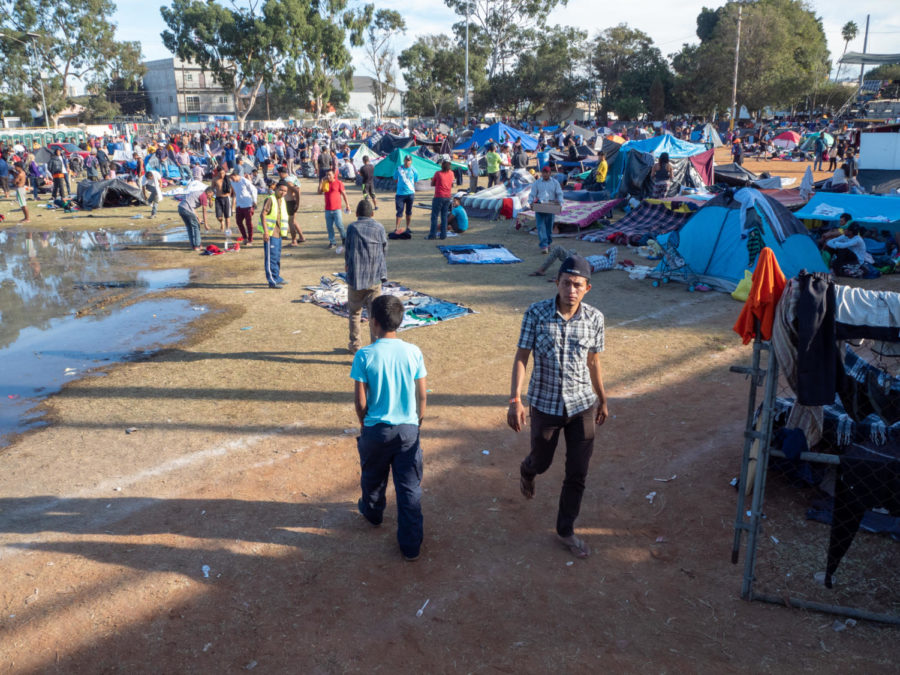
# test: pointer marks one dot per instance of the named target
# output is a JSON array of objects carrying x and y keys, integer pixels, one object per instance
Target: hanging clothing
[{"x": 768, "y": 285}]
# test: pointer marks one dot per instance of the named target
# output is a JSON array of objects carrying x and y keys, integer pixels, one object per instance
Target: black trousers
[{"x": 579, "y": 434}]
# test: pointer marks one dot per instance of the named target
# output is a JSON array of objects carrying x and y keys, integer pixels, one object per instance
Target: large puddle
[{"x": 46, "y": 278}]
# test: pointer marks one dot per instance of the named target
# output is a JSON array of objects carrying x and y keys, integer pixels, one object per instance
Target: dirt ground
[{"x": 223, "y": 536}]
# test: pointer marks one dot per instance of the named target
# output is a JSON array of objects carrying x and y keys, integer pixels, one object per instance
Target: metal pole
[
  {"x": 737, "y": 52},
  {"x": 865, "y": 45},
  {"x": 467, "y": 66},
  {"x": 33, "y": 37}
]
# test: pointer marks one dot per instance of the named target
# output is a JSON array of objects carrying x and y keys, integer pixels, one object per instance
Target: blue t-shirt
[
  {"x": 462, "y": 218},
  {"x": 543, "y": 157},
  {"x": 389, "y": 368},
  {"x": 406, "y": 180},
  {"x": 4, "y": 168}
]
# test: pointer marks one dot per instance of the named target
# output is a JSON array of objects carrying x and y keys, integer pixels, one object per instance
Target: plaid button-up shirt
[
  {"x": 364, "y": 250},
  {"x": 561, "y": 381}
]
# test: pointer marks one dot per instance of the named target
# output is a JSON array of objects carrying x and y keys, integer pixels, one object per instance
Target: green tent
[{"x": 388, "y": 166}]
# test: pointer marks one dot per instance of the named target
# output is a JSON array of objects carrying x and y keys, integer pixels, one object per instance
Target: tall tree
[
  {"x": 432, "y": 75},
  {"x": 548, "y": 77},
  {"x": 626, "y": 64},
  {"x": 323, "y": 66},
  {"x": 385, "y": 24},
  {"x": 434, "y": 69},
  {"x": 75, "y": 40},
  {"x": 783, "y": 51},
  {"x": 242, "y": 46},
  {"x": 849, "y": 33},
  {"x": 509, "y": 24}
]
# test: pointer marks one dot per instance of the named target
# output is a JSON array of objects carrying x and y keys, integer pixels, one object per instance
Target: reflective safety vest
[{"x": 276, "y": 220}]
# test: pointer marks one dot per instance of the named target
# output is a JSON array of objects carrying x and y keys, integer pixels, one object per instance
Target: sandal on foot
[
  {"x": 575, "y": 546},
  {"x": 526, "y": 485}
]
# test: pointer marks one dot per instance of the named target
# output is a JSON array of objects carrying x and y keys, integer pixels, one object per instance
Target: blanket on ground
[
  {"x": 478, "y": 254},
  {"x": 419, "y": 309}
]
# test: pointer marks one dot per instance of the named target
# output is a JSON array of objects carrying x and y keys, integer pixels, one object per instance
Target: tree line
[{"x": 298, "y": 52}]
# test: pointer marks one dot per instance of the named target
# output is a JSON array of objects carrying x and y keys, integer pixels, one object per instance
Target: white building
[{"x": 362, "y": 99}]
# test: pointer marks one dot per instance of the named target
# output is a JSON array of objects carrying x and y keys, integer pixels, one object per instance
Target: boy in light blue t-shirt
[{"x": 390, "y": 404}]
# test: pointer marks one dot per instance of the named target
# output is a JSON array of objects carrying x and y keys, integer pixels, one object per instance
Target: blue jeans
[
  {"x": 384, "y": 448},
  {"x": 272, "y": 260},
  {"x": 545, "y": 228},
  {"x": 332, "y": 219},
  {"x": 35, "y": 182},
  {"x": 439, "y": 205},
  {"x": 192, "y": 225}
]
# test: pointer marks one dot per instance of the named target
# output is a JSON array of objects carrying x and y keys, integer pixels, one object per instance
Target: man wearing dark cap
[
  {"x": 366, "y": 268},
  {"x": 566, "y": 391}
]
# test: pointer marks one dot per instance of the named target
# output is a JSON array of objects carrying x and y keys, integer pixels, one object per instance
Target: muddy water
[{"x": 46, "y": 278}]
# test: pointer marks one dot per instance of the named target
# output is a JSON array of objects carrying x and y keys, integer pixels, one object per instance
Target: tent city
[{"x": 473, "y": 336}]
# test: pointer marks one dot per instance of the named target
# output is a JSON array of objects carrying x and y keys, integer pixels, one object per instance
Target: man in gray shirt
[
  {"x": 187, "y": 211},
  {"x": 544, "y": 191},
  {"x": 366, "y": 268}
]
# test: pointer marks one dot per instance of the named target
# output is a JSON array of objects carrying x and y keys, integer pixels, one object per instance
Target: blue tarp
[
  {"x": 498, "y": 133},
  {"x": 870, "y": 209}
]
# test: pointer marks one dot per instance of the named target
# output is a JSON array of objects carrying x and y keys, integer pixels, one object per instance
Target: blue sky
[{"x": 670, "y": 23}]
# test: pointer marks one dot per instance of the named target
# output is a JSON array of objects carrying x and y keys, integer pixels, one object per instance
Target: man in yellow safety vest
[{"x": 273, "y": 225}]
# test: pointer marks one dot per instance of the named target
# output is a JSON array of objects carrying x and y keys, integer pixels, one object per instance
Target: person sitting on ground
[
  {"x": 599, "y": 263},
  {"x": 458, "y": 221},
  {"x": 850, "y": 257}
]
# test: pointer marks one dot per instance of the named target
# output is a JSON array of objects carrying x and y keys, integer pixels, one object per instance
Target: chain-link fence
[{"x": 819, "y": 485}]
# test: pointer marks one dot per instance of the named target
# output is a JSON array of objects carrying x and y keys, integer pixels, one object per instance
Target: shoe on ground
[
  {"x": 359, "y": 507},
  {"x": 276, "y": 286},
  {"x": 332, "y": 245},
  {"x": 545, "y": 251},
  {"x": 411, "y": 558},
  {"x": 430, "y": 237}
]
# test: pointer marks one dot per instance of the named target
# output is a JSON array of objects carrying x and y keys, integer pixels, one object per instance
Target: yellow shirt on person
[{"x": 602, "y": 168}]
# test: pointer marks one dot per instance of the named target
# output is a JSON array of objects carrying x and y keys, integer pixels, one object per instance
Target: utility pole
[
  {"x": 466, "y": 116},
  {"x": 737, "y": 52},
  {"x": 865, "y": 46}
]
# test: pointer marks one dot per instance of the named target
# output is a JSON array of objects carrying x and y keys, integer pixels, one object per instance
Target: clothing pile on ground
[
  {"x": 478, "y": 254},
  {"x": 419, "y": 309}
]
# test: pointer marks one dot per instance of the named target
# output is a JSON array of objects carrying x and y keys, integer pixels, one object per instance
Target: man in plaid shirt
[{"x": 566, "y": 390}]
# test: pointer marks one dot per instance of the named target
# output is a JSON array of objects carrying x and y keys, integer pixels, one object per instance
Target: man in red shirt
[
  {"x": 440, "y": 203},
  {"x": 333, "y": 189}
]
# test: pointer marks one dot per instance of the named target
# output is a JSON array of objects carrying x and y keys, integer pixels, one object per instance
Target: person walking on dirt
[
  {"x": 222, "y": 186},
  {"x": 566, "y": 392},
  {"x": 367, "y": 174},
  {"x": 390, "y": 397},
  {"x": 366, "y": 268},
  {"x": 292, "y": 199},
  {"x": 19, "y": 181}
]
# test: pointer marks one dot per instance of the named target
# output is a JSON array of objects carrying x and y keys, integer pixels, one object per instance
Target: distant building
[
  {"x": 183, "y": 92},
  {"x": 362, "y": 98}
]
